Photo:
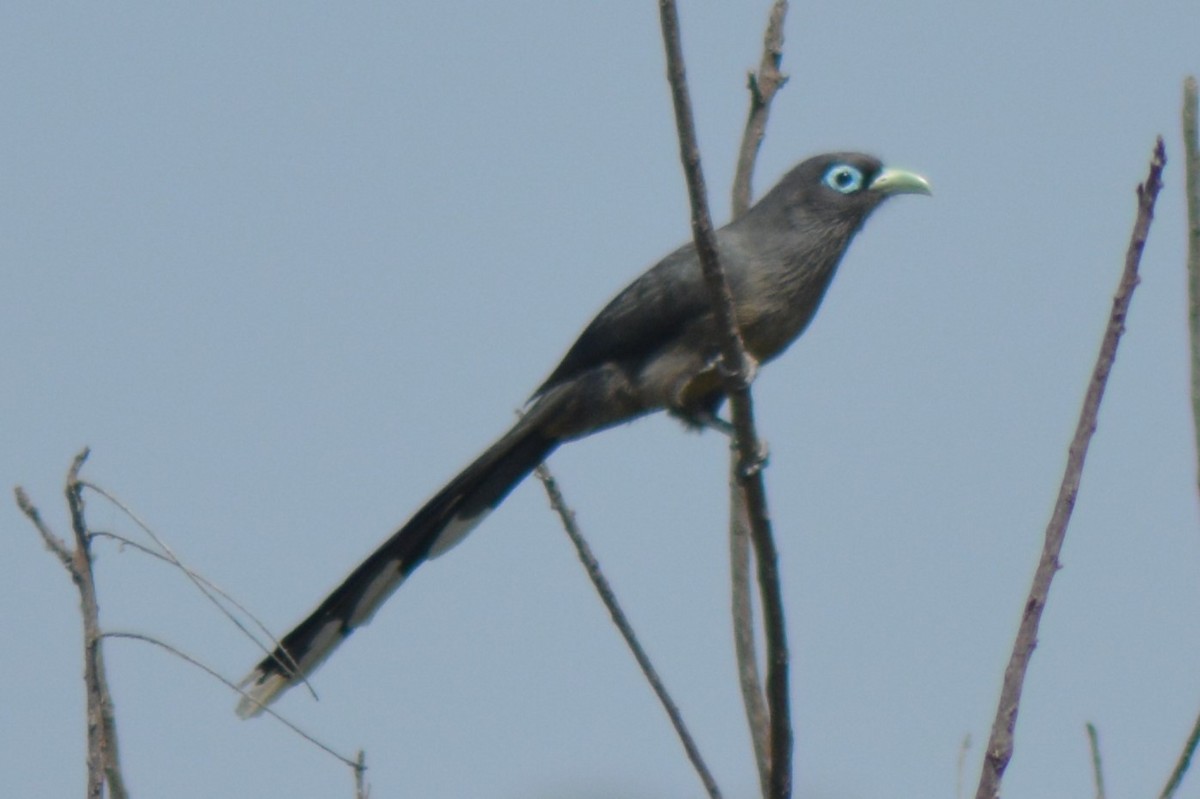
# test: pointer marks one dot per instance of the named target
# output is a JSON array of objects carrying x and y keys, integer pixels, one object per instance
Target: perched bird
[{"x": 654, "y": 347}]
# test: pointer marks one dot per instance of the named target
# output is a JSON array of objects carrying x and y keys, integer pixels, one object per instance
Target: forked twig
[
  {"x": 762, "y": 85},
  {"x": 103, "y": 760},
  {"x": 103, "y": 763},
  {"x": 736, "y": 374}
]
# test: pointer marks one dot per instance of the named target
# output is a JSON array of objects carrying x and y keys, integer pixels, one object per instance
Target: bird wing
[{"x": 648, "y": 314}]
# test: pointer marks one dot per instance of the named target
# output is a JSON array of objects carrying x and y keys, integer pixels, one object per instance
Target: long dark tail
[{"x": 438, "y": 525}]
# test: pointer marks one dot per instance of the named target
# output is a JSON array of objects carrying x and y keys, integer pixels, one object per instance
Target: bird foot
[
  {"x": 755, "y": 464},
  {"x": 747, "y": 374}
]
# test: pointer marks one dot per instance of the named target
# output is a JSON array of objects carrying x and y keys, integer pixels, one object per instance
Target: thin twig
[
  {"x": 1000, "y": 745},
  {"x": 208, "y": 585},
  {"x": 213, "y": 673},
  {"x": 1184, "y": 762},
  {"x": 1097, "y": 771},
  {"x": 1191, "y": 152},
  {"x": 762, "y": 85},
  {"x": 1191, "y": 161},
  {"x": 202, "y": 583},
  {"x": 592, "y": 566},
  {"x": 53, "y": 543},
  {"x": 961, "y": 765},
  {"x": 736, "y": 373}
]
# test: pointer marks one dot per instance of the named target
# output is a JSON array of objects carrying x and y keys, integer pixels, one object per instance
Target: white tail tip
[{"x": 258, "y": 691}]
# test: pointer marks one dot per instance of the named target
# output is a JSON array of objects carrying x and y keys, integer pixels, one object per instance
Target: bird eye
[{"x": 843, "y": 178}]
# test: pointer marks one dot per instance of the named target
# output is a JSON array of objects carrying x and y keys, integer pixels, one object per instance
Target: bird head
[{"x": 839, "y": 188}]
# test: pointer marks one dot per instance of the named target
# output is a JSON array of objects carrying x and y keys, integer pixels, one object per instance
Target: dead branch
[
  {"x": 1183, "y": 764},
  {"x": 762, "y": 86},
  {"x": 592, "y": 566},
  {"x": 736, "y": 374},
  {"x": 1191, "y": 158},
  {"x": 1000, "y": 745},
  {"x": 103, "y": 762}
]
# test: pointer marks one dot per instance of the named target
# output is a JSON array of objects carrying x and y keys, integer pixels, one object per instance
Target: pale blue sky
[{"x": 286, "y": 267}]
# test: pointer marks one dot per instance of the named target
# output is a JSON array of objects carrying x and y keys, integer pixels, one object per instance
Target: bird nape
[{"x": 654, "y": 347}]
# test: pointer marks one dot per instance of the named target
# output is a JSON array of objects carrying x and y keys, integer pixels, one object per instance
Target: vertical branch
[
  {"x": 744, "y": 645},
  {"x": 1097, "y": 771},
  {"x": 1000, "y": 745},
  {"x": 101, "y": 724},
  {"x": 1191, "y": 151},
  {"x": 361, "y": 789},
  {"x": 103, "y": 763},
  {"x": 763, "y": 87},
  {"x": 736, "y": 372},
  {"x": 1191, "y": 158}
]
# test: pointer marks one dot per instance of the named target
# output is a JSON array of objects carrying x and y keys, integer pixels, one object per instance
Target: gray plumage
[{"x": 653, "y": 347}]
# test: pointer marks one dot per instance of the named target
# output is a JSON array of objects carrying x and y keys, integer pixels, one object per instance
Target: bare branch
[
  {"x": 1184, "y": 762},
  {"x": 103, "y": 762},
  {"x": 736, "y": 373},
  {"x": 1097, "y": 772},
  {"x": 1191, "y": 158},
  {"x": 744, "y": 644},
  {"x": 592, "y": 566},
  {"x": 101, "y": 717},
  {"x": 53, "y": 543},
  {"x": 762, "y": 85},
  {"x": 1000, "y": 744}
]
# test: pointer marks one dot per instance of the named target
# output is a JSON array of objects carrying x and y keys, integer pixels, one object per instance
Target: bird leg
[
  {"x": 702, "y": 415},
  {"x": 709, "y": 420}
]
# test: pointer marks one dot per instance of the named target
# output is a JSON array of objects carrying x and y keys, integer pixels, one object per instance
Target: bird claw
[
  {"x": 746, "y": 375},
  {"x": 755, "y": 464}
]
